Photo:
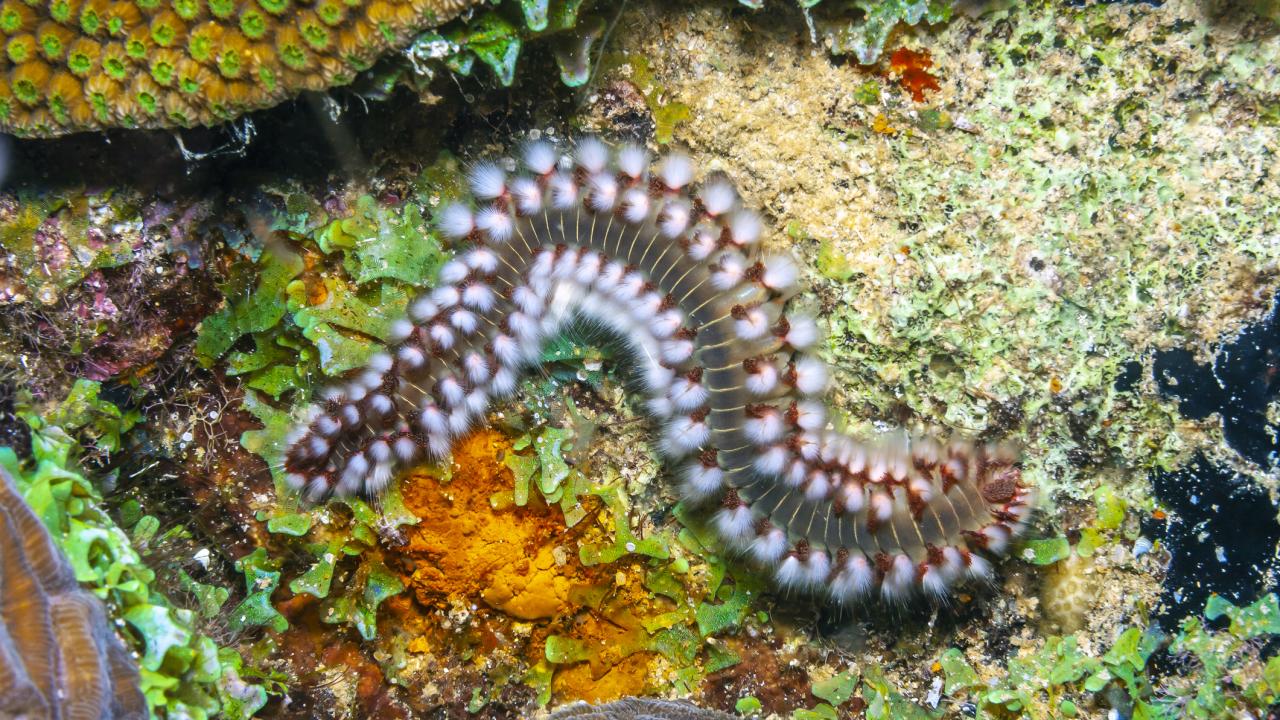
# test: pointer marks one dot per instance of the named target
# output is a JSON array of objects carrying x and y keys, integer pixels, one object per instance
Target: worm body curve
[{"x": 679, "y": 272}]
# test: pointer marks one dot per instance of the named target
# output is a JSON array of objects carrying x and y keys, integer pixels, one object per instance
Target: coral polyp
[
  {"x": 680, "y": 273},
  {"x": 58, "y": 654},
  {"x": 210, "y": 61}
]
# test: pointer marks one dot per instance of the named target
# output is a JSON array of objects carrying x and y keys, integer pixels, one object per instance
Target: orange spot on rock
[
  {"x": 880, "y": 124},
  {"x": 912, "y": 67}
]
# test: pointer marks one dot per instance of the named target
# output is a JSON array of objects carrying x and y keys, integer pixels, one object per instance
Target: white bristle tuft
[
  {"x": 528, "y": 301},
  {"x": 763, "y": 428},
  {"x": 702, "y": 482},
  {"x": 687, "y": 395},
  {"x": 503, "y": 383},
  {"x": 635, "y": 205},
  {"x": 744, "y": 228},
  {"x": 422, "y": 309},
  {"x": 673, "y": 219},
  {"x": 400, "y": 329},
  {"x": 811, "y": 375},
  {"x": 772, "y": 460},
  {"x": 451, "y": 391},
  {"x": 666, "y": 323},
  {"x": 676, "y": 351},
  {"x": 602, "y": 192},
  {"x": 379, "y": 478},
  {"x": 482, "y": 259},
  {"x": 478, "y": 297},
  {"x": 464, "y": 320},
  {"x": 718, "y": 197},
  {"x": 899, "y": 580},
  {"x": 540, "y": 157},
  {"x": 453, "y": 272},
  {"x": 456, "y": 221},
  {"x": 477, "y": 367},
  {"x": 445, "y": 296},
  {"x": 753, "y": 324},
  {"x": 381, "y": 405},
  {"x": 803, "y": 332},
  {"x": 810, "y": 415},
  {"x": 591, "y": 155},
  {"x": 854, "y": 578},
  {"x": 506, "y": 350},
  {"x": 633, "y": 161},
  {"x": 441, "y": 335},
  {"x": 477, "y": 401},
  {"x": 685, "y": 434},
  {"x": 487, "y": 181},
  {"x": 769, "y": 547},
  {"x": 563, "y": 191},
  {"x": 527, "y": 196},
  {"x": 780, "y": 273},
  {"x": 762, "y": 378},
  {"x": 496, "y": 223},
  {"x": 676, "y": 171},
  {"x": 459, "y": 420},
  {"x": 327, "y": 426},
  {"x": 735, "y": 523},
  {"x": 727, "y": 270},
  {"x": 406, "y": 449}
]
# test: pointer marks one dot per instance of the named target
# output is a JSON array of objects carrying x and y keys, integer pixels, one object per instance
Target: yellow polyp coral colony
[{"x": 75, "y": 65}]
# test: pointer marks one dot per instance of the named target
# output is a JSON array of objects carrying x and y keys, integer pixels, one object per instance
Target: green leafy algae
[
  {"x": 183, "y": 672},
  {"x": 1222, "y": 673}
]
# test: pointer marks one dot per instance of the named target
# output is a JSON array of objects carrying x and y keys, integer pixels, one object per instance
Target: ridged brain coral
[
  {"x": 679, "y": 272},
  {"x": 59, "y": 657},
  {"x": 75, "y": 65}
]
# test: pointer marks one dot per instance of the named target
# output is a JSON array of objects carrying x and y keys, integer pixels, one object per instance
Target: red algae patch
[{"x": 912, "y": 69}]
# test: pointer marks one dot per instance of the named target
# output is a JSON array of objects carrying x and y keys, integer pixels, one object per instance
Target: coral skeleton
[
  {"x": 678, "y": 271},
  {"x": 59, "y": 657}
]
